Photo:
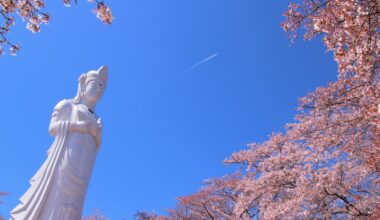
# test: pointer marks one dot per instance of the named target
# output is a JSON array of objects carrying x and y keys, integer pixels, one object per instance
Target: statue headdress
[{"x": 101, "y": 75}]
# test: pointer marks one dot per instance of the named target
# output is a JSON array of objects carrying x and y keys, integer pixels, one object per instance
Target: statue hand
[
  {"x": 96, "y": 129},
  {"x": 99, "y": 122},
  {"x": 98, "y": 137},
  {"x": 82, "y": 126},
  {"x": 87, "y": 127}
]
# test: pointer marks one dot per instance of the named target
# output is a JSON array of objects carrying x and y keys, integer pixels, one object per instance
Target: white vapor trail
[{"x": 212, "y": 56}]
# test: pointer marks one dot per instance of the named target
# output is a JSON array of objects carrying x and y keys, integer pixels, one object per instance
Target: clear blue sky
[{"x": 167, "y": 124}]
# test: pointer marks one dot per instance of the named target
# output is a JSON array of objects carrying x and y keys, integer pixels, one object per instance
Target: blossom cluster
[
  {"x": 31, "y": 11},
  {"x": 350, "y": 29},
  {"x": 103, "y": 12}
]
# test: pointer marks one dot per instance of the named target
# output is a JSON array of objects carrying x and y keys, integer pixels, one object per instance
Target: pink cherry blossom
[
  {"x": 32, "y": 12},
  {"x": 104, "y": 13}
]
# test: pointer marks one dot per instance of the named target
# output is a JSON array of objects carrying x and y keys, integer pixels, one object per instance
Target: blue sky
[{"x": 168, "y": 122}]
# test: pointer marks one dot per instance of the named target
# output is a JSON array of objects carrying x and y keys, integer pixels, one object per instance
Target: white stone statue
[{"x": 59, "y": 187}]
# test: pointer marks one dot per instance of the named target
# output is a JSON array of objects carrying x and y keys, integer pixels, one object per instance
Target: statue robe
[{"x": 59, "y": 187}]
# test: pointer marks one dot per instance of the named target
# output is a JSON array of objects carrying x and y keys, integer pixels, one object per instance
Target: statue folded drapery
[{"x": 59, "y": 187}]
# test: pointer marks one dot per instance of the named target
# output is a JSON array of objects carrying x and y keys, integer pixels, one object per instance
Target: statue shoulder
[{"x": 64, "y": 105}]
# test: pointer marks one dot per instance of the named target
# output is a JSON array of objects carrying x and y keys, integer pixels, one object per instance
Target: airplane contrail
[{"x": 212, "y": 56}]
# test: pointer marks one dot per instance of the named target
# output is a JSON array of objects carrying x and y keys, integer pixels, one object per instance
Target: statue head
[{"x": 91, "y": 86}]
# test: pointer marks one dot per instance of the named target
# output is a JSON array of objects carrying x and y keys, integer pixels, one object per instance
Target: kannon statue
[{"x": 59, "y": 187}]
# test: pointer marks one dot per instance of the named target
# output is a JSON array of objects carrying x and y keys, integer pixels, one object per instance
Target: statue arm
[{"x": 62, "y": 112}]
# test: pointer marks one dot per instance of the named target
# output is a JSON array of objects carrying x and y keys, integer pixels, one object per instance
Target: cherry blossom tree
[
  {"x": 326, "y": 165},
  {"x": 216, "y": 200},
  {"x": 288, "y": 179},
  {"x": 32, "y": 12},
  {"x": 350, "y": 29},
  {"x": 148, "y": 216},
  {"x": 95, "y": 215}
]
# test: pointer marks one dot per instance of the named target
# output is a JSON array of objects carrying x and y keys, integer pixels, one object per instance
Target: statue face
[{"x": 93, "y": 91}]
